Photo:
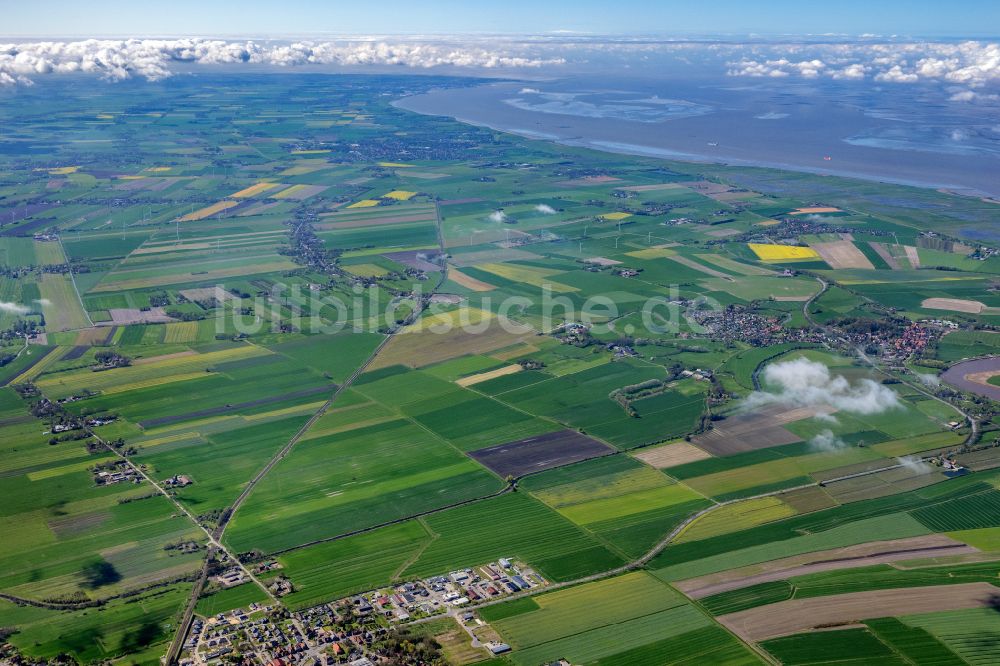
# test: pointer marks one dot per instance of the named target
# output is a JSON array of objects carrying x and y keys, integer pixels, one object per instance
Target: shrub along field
[{"x": 137, "y": 628}]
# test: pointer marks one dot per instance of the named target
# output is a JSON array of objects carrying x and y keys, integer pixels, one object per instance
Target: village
[{"x": 360, "y": 630}]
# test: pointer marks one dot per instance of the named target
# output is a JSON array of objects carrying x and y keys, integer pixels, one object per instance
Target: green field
[
  {"x": 849, "y": 646},
  {"x": 187, "y": 289},
  {"x": 611, "y": 621},
  {"x": 115, "y": 630}
]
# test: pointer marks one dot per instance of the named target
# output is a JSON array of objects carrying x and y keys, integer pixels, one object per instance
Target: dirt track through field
[
  {"x": 953, "y": 305},
  {"x": 672, "y": 455},
  {"x": 378, "y": 221},
  {"x": 881, "y": 251},
  {"x": 842, "y": 254},
  {"x": 813, "y": 210},
  {"x": 469, "y": 282},
  {"x": 472, "y": 380},
  {"x": 758, "y": 430},
  {"x": 527, "y": 456},
  {"x": 690, "y": 263},
  {"x": 216, "y": 535},
  {"x": 862, "y": 555},
  {"x": 798, "y": 615}
]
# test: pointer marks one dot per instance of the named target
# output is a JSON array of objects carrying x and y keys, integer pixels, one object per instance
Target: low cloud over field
[
  {"x": 915, "y": 465},
  {"x": 14, "y": 308},
  {"x": 825, "y": 440},
  {"x": 929, "y": 380},
  {"x": 804, "y": 383}
]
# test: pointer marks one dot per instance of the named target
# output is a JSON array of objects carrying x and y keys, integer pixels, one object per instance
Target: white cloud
[
  {"x": 825, "y": 440},
  {"x": 826, "y": 418},
  {"x": 929, "y": 379},
  {"x": 851, "y": 72},
  {"x": 895, "y": 74},
  {"x": 44, "y": 302},
  {"x": 811, "y": 68},
  {"x": 972, "y": 96},
  {"x": 153, "y": 59},
  {"x": 915, "y": 465},
  {"x": 498, "y": 216},
  {"x": 545, "y": 209},
  {"x": 972, "y": 63},
  {"x": 14, "y": 308},
  {"x": 804, "y": 383}
]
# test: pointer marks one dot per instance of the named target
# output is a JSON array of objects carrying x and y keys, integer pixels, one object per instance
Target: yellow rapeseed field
[
  {"x": 208, "y": 211},
  {"x": 460, "y": 317},
  {"x": 652, "y": 253},
  {"x": 180, "y": 331},
  {"x": 253, "y": 190},
  {"x": 486, "y": 376},
  {"x": 290, "y": 192},
  {"x": 768, "y": 252},
  {"x": 614, "y": 217},
  {"x": 364, "y": 203},
  {"x": 302, "y": 169},
  {"x": 736, "y": 517},
  {"x": 398, "y": 195},
  {"x": 61, "y": 171}
]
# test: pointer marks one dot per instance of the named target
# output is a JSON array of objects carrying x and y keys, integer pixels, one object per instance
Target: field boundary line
[
  {"x": 973, "y": 423},
  {"x": 395, "y": 521},
  {"x": 213, "y": 545},
  {"x": 72, "y": 279},
  {"x": 91, "y": 603},
  {"x": 286, "y": 449},
  {"x": 644, "y": 559},
  {"x": 432, "y": 536}
]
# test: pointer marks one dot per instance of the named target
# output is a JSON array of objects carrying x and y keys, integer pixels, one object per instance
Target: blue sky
[{"x": 976, "y": 18}]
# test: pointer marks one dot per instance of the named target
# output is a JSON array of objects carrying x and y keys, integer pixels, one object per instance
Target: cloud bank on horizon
[
  {"x": 154, "y": 59},
  {"x": 972, "y": 64}
]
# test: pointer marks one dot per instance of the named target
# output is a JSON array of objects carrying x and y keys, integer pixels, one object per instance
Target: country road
[
  {"x": 220, "y": 529},
  {"x": 216, "y": 535},
  {"x": 973, "y": 423},
  {"x": 662, "y": 544}
]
